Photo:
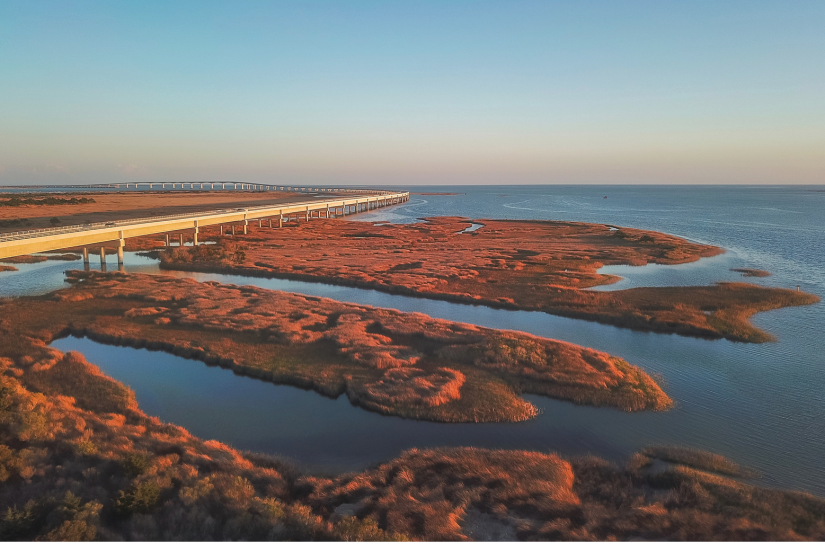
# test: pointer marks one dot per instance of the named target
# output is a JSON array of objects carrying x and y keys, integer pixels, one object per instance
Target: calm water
[{"x": 762, "y": 405}]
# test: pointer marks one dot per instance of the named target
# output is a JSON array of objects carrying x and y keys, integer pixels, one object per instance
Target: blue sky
[{"x": 413, "y": 92}]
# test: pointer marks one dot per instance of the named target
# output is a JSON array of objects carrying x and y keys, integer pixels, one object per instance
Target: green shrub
[
  {"x": 135, "y": 464},
  {"x": 139, "y": 498},
  {"x": 20, "y": 523}
]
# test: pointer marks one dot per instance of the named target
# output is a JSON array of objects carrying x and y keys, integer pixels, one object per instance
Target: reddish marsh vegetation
[
  {"x": 459, "y": 494},
  {"x": 532, "y": 265},
  {"x": 80, "y": 461},
  {"x": 39, "y": 210},
  {"x": 36, "y": 259},
  {"x": 403, "y": 364}
]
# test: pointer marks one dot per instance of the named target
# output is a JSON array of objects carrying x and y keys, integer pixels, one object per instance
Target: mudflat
[{"x": 529, "y": 265}]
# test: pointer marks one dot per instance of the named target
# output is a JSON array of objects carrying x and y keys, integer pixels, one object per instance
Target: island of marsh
[
  {"x": 528, "y": 265},
  {"x": 403, "y": 364}
]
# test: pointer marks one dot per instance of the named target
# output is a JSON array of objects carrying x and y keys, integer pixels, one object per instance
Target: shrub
[
  {"x": 135, "y": 464},
  {"x": 139, "y": 498},
  {"x": 353, "y": 529},
  {"x": 20, "y": 523}
]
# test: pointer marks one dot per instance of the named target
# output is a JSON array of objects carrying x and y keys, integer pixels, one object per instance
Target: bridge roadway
[{"x": 46, "y": 240}]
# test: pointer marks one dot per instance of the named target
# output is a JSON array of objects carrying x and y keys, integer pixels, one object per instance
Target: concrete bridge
[{"x": 46, "y": 240}]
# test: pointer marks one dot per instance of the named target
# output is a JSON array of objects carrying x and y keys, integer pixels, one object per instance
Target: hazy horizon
[{"x": 438, "y": 93}]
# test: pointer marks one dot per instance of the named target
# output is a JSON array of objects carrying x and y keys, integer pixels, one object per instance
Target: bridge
[
  {"x": 46, "y": 240},
  {"x": 195, "y": 185}
]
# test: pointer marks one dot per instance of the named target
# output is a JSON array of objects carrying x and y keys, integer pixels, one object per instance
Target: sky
[{"x": 412, "y": 93}]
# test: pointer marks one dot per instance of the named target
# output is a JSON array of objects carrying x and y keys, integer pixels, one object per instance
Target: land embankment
[
  {"x": 80, "y": 461},
  {"x": 530, "y": 265},
  {"x": 402, "y": 364},
  {"x": 36, "y": 211}
]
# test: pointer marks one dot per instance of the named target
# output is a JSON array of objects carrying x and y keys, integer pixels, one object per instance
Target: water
[{"x": 760, "y": 404}]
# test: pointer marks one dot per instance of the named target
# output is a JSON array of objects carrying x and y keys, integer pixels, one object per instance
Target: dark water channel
[{"x": 761, "y": 405}]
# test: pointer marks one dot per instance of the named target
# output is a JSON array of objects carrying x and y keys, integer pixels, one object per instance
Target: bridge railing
[{"x": 29, "y": 233}]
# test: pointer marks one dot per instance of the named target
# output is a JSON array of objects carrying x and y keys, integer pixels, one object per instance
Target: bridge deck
[{"x": 46, "y": 240}]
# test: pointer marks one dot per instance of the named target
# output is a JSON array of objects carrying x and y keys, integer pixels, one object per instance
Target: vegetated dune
[
  {"x": 80, "y": 461},
  {"x": 530, "y": 265},
  {"x": 403, "y": 364}
]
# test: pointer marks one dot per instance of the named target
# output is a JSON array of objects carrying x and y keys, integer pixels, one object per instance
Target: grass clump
[{"x": 697, "y": 458}]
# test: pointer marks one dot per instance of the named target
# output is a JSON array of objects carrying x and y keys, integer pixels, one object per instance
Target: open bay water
[{"x": 759, "y": 404}]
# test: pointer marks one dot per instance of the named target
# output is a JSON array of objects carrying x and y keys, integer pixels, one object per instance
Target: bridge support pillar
[
  {"x": 245, "y": 227},
  {"x": 85, "y": 258},
  {"x": 180, "y": 239},
  {"x": 307, "y": 213},
  {"x": 120, "y": 246},
  {"x": 221, "y": 232},
  {"x": 102, "y": 258},
  {"x": 280, "y": 221},
  {"x": 260, "y": 222},
  {"x": 195, "y": 238}
]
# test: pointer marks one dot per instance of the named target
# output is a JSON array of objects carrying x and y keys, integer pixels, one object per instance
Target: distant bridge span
[
  {"x": 195, "y": 185},
  {"x": 46, "y": 240}
]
